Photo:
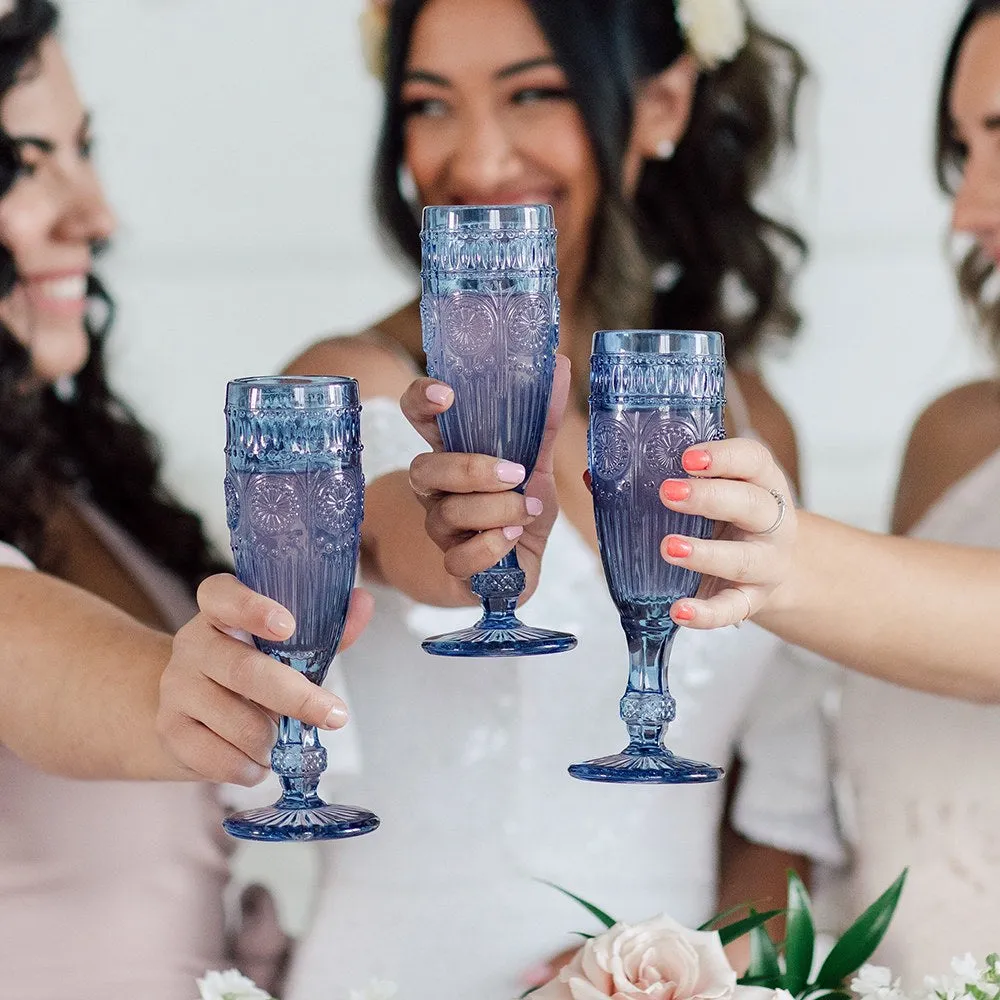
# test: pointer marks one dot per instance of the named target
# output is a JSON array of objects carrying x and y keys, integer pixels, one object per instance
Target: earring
[{"x": 665, "y": 149}]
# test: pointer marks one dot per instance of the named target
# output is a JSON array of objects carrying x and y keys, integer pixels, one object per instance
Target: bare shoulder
[
  {"x": 381, "y": 370},
  {"x": 956, "y": 433},
  {"x": 769, "y": 420}
]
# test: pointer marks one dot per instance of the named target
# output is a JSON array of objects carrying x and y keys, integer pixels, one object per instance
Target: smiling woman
[
  {"x": 912, "y": 800},
  {"x": 651, "y": 149},
  {"x": 98, "y": 570}
]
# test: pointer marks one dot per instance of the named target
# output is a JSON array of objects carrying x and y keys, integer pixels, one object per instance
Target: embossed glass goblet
[
  {"x": 294, "y": 504},
  {"x": 490, "y": 316},
  {"x": 653, "y": 394}
]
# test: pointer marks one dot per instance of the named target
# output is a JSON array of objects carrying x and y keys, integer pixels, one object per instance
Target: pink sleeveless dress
[
  {"x": 919, "y": 773},
  {"x": 109, "y": 889}
]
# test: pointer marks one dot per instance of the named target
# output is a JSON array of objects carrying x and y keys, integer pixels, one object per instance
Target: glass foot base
[
  {"x": 320, "y": 822},
  {"x": 654, "y": 766},
  {"x": 519, "y": 641}
]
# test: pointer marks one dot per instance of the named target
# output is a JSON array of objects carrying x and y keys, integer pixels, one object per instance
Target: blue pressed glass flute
[
  {"x": 653, "y": 394},
  {"x": 490, "y": 317},
  {"x": 294, "y": 503}
]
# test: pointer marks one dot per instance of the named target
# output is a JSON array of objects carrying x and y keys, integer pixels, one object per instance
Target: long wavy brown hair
[
  {"x": 85, "y": 439},
  {"x": 695, "y": 217},
  {"x": 976, "y": 271}
]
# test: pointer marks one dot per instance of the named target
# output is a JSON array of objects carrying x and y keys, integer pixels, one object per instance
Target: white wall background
[{"x": 235, "y": 135}]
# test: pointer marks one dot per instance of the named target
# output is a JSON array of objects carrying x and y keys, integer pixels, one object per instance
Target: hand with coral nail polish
[
  {"x": 479, "y": 507},
  {"x": 738, "y": 484}
]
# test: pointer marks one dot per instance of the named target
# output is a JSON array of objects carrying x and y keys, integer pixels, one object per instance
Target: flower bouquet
[{"x": 660, "y": 959}]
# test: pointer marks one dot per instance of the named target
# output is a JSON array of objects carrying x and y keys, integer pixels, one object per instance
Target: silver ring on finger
[
  {"x": 746, "y": 597},
  {"x": 782, "y": 508}
]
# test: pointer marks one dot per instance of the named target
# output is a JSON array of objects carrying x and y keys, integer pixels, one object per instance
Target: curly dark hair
[
  {"x": 88, "y": 439},
  {"x": 977, "y": 269},
  {"x": 694, "y": 215}
]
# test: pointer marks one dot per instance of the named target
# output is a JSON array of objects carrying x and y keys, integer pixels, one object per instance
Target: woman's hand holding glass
[
  {"x": 219, "y": 696},
  {"x": 475, "y": 514},
  {"x": 738, "y": 484}
]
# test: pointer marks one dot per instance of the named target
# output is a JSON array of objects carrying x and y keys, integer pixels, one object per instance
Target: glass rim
[
  {"x": 487, "y": 218},
  {"x": 695, "y": 343},
  {"x": 283, "y": 381},
  {"x": 292, "y": 392}
]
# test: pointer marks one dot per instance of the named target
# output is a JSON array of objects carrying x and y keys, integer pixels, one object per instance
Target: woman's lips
[{"x": 65, "y": 294}]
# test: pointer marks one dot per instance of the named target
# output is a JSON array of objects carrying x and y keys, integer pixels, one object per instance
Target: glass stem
[
  {"x": 298, "y": 759},
  {"x": 499, "y": 589},
  {"x": 647, "y": 707}
]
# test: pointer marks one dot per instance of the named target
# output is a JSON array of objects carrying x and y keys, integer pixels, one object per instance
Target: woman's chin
[{"x": 55, "y": 357}]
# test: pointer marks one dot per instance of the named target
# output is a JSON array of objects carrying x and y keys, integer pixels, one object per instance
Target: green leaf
[
  {"x": 764, "y": 967},
  {"x": 731, "y": 932},
  {"x": 800, "y": 936},
  {"x": 600, "y": 914},
  {"x": 708, "y": 924},
  {"x": 767, "y": 981},
  {"x": 584, "y": 935},
  {"x": 861, "y": 939},
  {"x": 528, "y": 992}
]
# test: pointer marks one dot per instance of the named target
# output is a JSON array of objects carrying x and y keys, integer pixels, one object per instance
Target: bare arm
[
  {"x": 750, "y": 873},
  {"x": 921, "y": 614},
  {"x": 917, "y": 613},
  {"x": 82, "y": 684}
]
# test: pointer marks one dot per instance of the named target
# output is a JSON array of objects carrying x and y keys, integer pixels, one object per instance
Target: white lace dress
[
  {"x": 465, "y": 761},
  {"x": 919, "y": 773}
]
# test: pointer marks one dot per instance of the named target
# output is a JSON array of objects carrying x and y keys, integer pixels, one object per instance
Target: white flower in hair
[
  {"x": 715, "y": 30},
  {"x": 374, "y": 24}
]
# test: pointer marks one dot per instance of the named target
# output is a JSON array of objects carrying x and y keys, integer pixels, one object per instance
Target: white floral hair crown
[{"x": 715, "y": 31}]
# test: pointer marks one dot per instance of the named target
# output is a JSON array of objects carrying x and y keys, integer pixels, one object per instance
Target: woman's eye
[
  {"x": 26, "y": 168},
  {"x": 86, "y": 148},
  {"x": 534, "y": 95},
  {"x": 426, "y": 108}
]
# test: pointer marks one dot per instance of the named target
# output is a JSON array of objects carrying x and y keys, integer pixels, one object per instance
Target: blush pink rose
[{"x": 655, "y": 960}]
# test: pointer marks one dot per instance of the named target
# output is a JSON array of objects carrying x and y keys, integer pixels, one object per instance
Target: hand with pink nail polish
[
  {"x": 473, "y": 513},
  {"x": 219, "y": 696}
]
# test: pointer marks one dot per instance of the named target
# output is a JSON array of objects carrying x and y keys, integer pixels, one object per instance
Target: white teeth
[{"x": 65, "y": 289}]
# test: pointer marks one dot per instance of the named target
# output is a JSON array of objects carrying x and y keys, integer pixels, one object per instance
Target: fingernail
[
  {"x": 682, "y": 612},
  {"x": 678, "y": 548},
  {"x": 696, "y": 460},
  {"x": 254, "y": 774},
  {"x": 509, "y": 472},
  {"x": 676, "y": 490},
  {"x": 534, "y": 506},
  {"x": 439, "y": 394},
  {"x": 513, "y": 532},
  {"x": 280, "y": 623},
  {"x": 336, "y": 718}
]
